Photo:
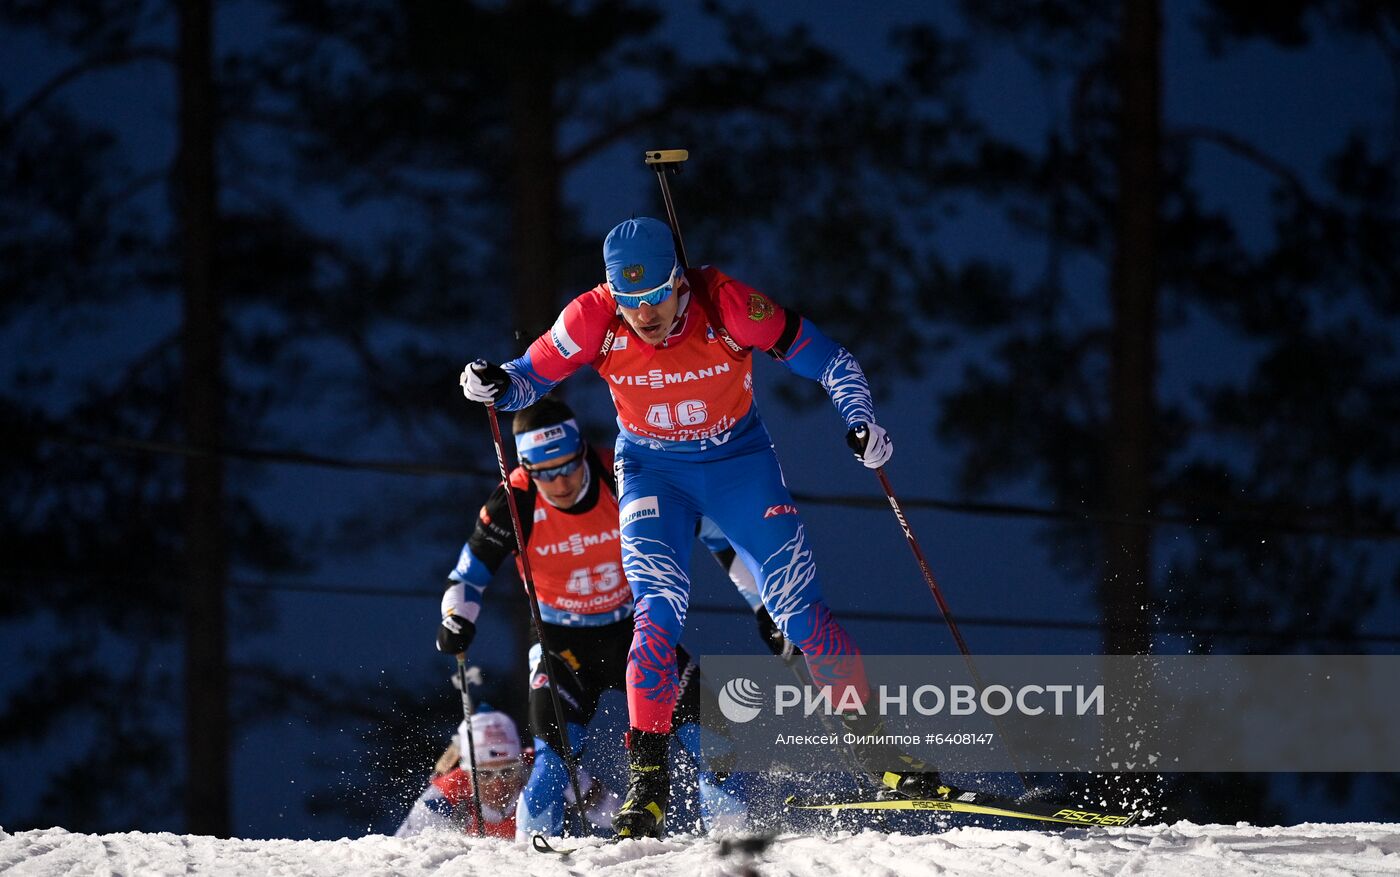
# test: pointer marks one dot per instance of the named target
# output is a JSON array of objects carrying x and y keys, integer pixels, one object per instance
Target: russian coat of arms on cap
[
  {"x": 760, "y": 308},
  {"x": 633, "y": 273}
]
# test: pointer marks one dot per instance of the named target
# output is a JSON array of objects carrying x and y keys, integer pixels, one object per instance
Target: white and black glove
[
  {"x": 455, "y": 634},
  {"x": 772, "y": 635},
  {"x": 483, "y": 382},
  {"x": 872, "y": 445}
]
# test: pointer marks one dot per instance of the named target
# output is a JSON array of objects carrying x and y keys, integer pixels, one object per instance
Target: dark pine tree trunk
[
  {"x": 1125, "y": 586},
  {"x": 535, "y": 177},
  {"x": 206, "y": 668},
  {"x": 535, "y": 181}
]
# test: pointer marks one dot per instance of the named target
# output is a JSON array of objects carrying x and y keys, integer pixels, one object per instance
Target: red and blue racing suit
[{"x": 692, "y": 443}]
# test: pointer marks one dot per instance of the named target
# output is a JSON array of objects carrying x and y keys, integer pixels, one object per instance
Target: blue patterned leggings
[{"x": 661, "y": 495}]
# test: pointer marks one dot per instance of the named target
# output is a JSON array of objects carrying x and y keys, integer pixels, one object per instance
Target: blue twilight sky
[{"x": 1297, "y": 105}]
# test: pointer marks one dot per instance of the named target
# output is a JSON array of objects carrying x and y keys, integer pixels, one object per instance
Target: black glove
[
  {"x": 483, "y": 382},
  {"x": 455, "y": 635},
  {"x": 772, "y": 636}
]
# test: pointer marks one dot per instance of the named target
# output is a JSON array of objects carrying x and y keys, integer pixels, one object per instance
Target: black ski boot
[
  {"x": 890, "y": 766},
  {"x": 648, "y": 785}
]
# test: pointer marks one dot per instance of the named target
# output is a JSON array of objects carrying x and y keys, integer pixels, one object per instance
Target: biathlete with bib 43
[{"x": 568, "y": 507}]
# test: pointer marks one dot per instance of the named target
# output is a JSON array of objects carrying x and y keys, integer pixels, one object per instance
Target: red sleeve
[
  {"x": 575, "y": 339},
  {"x": 455, "y": 785},
  {"x": 752, "y": 318}
]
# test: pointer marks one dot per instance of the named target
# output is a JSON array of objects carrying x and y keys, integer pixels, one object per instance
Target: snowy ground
[{"x": 1314, "y": 850}]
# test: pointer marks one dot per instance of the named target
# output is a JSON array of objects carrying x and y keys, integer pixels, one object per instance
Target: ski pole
[
  {"x": 466, "y": 677},
  {"x": 522, "y": 559},
  {"x": 923, "y": 565},
  {"x": 666, "y": 161},
  {"x": 861, "y": 434}
]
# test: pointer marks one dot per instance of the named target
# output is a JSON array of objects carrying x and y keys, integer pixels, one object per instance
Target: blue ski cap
[
  {"x": 639, "y": 254},
  {"x": 549, "y": 444}
]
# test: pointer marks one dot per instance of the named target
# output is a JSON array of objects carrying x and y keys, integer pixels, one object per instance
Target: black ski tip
[{"x": 542, "y": 845}]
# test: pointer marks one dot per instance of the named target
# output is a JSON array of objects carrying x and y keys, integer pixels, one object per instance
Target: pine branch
[
  {"x": 107, "y": 61},
  {"x": 1246, "y": 150}
]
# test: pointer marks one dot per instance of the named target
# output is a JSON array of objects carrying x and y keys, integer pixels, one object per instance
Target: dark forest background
[{"x": 240, "y": 240}]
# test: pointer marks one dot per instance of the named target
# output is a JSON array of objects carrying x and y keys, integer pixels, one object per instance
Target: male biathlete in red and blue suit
[{"x": 675, "y": 348}]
